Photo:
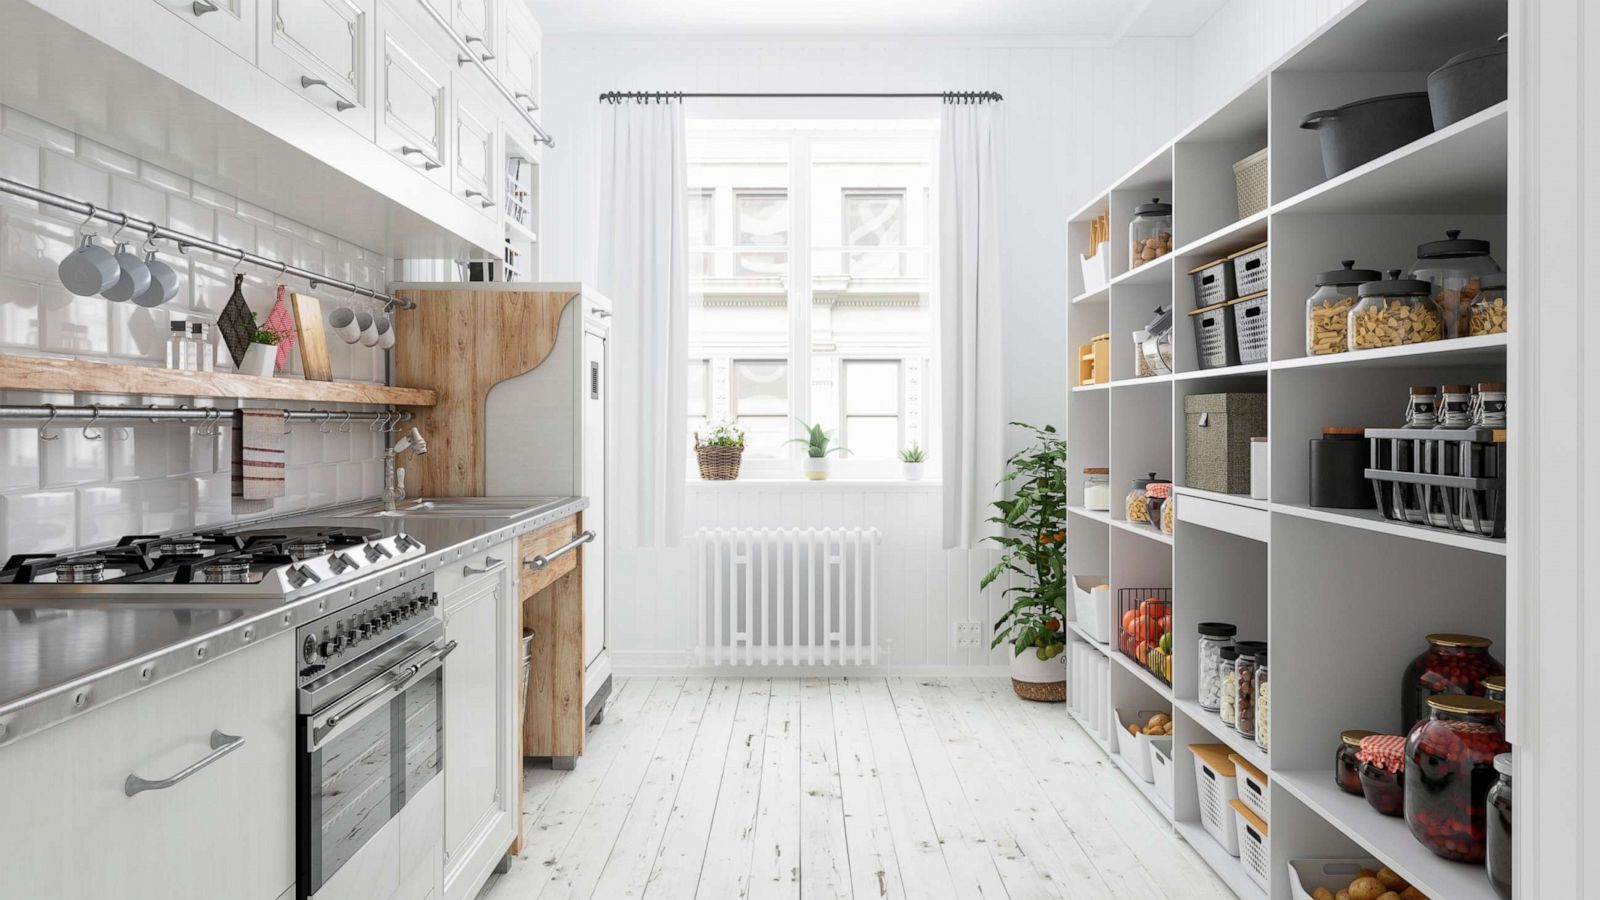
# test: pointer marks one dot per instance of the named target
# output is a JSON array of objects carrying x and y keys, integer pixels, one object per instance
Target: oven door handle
[
  {"x": 322, "y": 731},
  {"x": 415, "y": 669}
]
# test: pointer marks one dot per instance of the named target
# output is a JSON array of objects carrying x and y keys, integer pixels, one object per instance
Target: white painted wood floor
[{"x": 843, "y": 787}]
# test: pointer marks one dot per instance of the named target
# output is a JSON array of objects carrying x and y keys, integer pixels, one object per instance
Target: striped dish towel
[{"x": 259, "y": 452}]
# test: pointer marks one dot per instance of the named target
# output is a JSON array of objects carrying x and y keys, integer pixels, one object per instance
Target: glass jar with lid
[
  {"x": 1422, "y": 407},
  {"x": 1150, "y": 232},
  {"x": 1097, "y": 489},
  {"x": 1328, "y": 309},
  {"x": 1394, "y": 312},
  {"x": 1383, "y": 773},
  {"x": 1498, "y": 828},
  {"x": 1489, "y": 314},
  {"x": 1214, "y": 636},
  {"x": 1455, "y": 406},
  {"x": 1452, "y": 664},
  {"x": 1137, "y": 507},
  {"x": 1156, "y": 494},
  {"x": 1244, "y": 673},
  {"x": 1346, "y": 768},
  {"x": 1263, "y": 703},
  {"x": 1494, "y": 687},
  {"x": 1490, "y": 409},
  {"x": 1449, "y": 768},
  {"x": 1456, "y": 267},
  {"x": 1228, "y": 698}
]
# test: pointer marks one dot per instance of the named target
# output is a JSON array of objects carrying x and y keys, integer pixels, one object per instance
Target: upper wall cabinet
[
  {"x": 231, "y": 23},
  {"x": 476, "y": 149},
  {"x": 519, "y": 57},
  {"x": 323, "y": 49},
  {"x": 478, "y": 22},
  {"x": 414, "y": 100}
]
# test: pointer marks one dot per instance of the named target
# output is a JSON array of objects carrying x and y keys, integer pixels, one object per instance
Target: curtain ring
[
  {"x": 93, "y": 419},
  {"x": 45, "y": 434}
]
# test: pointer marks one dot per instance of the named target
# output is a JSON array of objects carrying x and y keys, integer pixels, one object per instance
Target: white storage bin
[
  {"x": 1091, "y": 597},
  {"x": 1135, "y": 748},
  {"x": 1254, "y": 850},
  {"x": 1162, "y": 770},
  {"x": 1252, "y": 786},
  {"x": 1216, "y": 785},
  {"x": 1306, "y": 875},
  {"x": 1095, "y": 273}
]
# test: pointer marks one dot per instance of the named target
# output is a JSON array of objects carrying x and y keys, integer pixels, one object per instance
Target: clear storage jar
[
  {"x": 1328, "y": 309},
  {"x": 1149, "y": 233},
  {"x": 1498, "y": 828},
  {"x": 1394, "y": 312},
  {"x": 1490, "y": 314},
  {"x": 1228, "y": 700},
  {"x": 1449, "y": 768},
  {"x": 1263, "y": 703},
  {"x": 1452, "y": 664},
  {"x": 1422, "y": 406},
  {"x": 1156, "y": 496},
  {"x": 1455, "y": 406},
  {"x": 1136, "y": 508},
  {"x": 1489, "y": 411},
  {"x": 1383, "y": 773},
  {"x": 1214, "y": 637},
  {"x": 1456, "y": 267},
  {"x": 1244, "y": 673},
  {"x": 1097, "y": 489},
  {"x": 1346, "y": 768}
]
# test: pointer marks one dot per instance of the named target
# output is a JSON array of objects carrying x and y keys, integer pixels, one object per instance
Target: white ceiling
[{"x": 1063, "y": 21}]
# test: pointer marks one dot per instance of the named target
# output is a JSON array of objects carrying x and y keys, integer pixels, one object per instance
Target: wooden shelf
[{"x": 39, "y": 373}]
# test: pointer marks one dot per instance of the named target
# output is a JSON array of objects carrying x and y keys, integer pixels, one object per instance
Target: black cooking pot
[
  {"x": 1357, "y": 133},
  {"x": 1470, "y": 82}
]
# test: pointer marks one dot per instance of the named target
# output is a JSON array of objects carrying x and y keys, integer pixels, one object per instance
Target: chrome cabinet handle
[
  {"x": 483, "y": 201},
  {"x": 339, "y": 103},
  {"x": 523, "y": 95},
  {"x": 201, "y": 7},
  {"x": 474, "y": 39},
  {"x": 540, "y": 562},
  {"x": 427, "y": 161},
  {"x": 221, "y": 745},
  {"x": 602, "y": 313},
  {"x": 489, "y": 563}
]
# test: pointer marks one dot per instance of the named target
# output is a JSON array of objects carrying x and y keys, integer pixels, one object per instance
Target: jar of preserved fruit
[
  {"x": 1346, "y": 768},
  {"x": 1097, "y": 489},
  {"x": 1328, "y": 309},
  {"x": 1137, "y": 506},
  {"x": 1490, "y": 315},
  {"x": 1456, "y": 267},
  {"x": 1494, "y": 687},
  {"x": 1244, "y": 674},
  {"x": 1228, "y": 703},
  {"x": 1499, "y": 828},
  {"x": 1394, "y": 312},
  {"x": 1214, "y": 636},
  {"x": 1452, "y": 664},
  {"x": 1156, "y": 494},
  {"x": 1383, "y": 767},
  {"x": 1449, "y": 768},
  {"x": 1149, "y": 233},
  {"x": 1263, "y": 703}
]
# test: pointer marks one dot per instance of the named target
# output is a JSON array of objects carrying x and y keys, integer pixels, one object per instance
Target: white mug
[
  {"x": 163, "y": 283},
  {"x": 385, "y": 332},
  {"x": 89, "y": 269},
  {"x": 133, "y": 280},
  {"x": 343, "y": 323},
  {"x": 369, "y": 329}
]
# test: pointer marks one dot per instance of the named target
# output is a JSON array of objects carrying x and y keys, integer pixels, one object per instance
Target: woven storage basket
[
  {"x": 1048, "y": 692},
  {"x": 718, "y": 463},
  {"x": 1250, "y": 176}
]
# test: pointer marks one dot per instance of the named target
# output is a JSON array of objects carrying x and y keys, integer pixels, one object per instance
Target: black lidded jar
[{"x": 1338, "y": 470}]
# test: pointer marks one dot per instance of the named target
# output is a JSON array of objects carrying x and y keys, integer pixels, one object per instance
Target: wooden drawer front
[
  {"x": 545, "y": 541},
  {"x": 413, "y": 100},
  {"x": 231, "y": 23},
  {"x": 305, "y": 41},
  {"x": 475, "y": 152}
]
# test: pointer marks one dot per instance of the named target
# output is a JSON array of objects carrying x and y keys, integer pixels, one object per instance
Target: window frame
[{"x": 844, "y": 230}]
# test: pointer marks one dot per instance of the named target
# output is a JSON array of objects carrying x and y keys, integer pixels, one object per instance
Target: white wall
[{"x": 1246, "y": 36}]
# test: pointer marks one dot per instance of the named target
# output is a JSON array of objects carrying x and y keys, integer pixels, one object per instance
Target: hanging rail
[
  {"x": 664, "y": 96},
  {"x": 186, "y": 241},
  {"x": 46, "y": 413}
]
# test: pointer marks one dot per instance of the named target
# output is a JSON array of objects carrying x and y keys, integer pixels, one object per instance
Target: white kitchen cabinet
[
  {"x": 519, "y": 55},
  {"x": 476, "y": 149},
  {"x": 323, "y": 49},
  {"x": 482, "y": 733},
  {"x": 478, "y": 23},
  {"x": 414, "y": 99},
  {"x": 227, "y": 830},
  {"x": 231, "y": 23},
  {"x": 597, "y": 393}
]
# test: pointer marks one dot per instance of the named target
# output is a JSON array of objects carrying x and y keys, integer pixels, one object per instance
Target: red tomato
[{"x": 1127, "y": 620}]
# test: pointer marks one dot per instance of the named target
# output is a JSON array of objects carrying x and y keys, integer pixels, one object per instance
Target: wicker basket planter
[{"x": 718, "y": 463}]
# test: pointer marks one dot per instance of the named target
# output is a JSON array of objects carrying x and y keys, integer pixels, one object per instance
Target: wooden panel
[
  {"x": 545, "y": 540},
  {"x": 464, "y": 343},
  {"x": 34, "y": 373},
  {"x": 313, "y": 338},
  {"x": 555, "y": 721}
]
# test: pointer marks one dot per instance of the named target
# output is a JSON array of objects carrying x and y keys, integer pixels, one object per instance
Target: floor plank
[
  {"x": 725, "y": 870},
  {"x": 775, "y": 863},
  {"x": 825, "y": 863},
  {"x": 676, "y": 868},
  {"x": 874, "y": 867}
]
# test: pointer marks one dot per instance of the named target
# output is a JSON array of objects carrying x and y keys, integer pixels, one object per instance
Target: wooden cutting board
[{"x": 313, "y": 338}]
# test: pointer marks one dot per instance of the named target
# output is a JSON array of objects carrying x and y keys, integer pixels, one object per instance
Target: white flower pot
[
  {"x": 1028, "y": 667},
  {"x": 913, "y": 471},
  {"x": 259, "y": 359},
  {"x": 818, "y": 467}
]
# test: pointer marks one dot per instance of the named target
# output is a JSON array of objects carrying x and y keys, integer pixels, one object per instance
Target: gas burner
[
  {"x": 81, "y": 570},
  {"x": 227, "y": 571},
  {"x": 305, "y": 548},
  {"x": 184, "y": 546}
]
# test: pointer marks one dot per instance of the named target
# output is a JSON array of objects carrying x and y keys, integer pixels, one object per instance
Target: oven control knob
[
  {"x": 298, "y": 576},
  {"x": 308, "y": 650},
  {"x": 433, "y": 599},
  {"x": 328, "y": 649},
  {"x": 341, "y": 563},
  {"x": 376, "y": 552}
]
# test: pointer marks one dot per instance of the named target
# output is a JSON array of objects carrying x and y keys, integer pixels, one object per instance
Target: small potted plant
[
  {"x": 911, "y": 459},
  {"x": 1034, "y": 538},
  {"x": 262, "y": 355},
  {"x": 720, "y": 453},
  {"x": 817, "y": 465}
]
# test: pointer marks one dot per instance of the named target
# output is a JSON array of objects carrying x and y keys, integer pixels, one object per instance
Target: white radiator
[{"x": 787, "y": 596}]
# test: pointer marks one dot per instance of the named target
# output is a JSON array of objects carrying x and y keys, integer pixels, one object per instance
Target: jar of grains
[
  {"x": 1449, "y": 768},
  {"x": 1228, "y": 698},
  {"x": 1214, "y": 637},
  {"x": 1169, "y": 515},
  {"x": 1137, "y": 506},
  {"x": 1263, "y": 703},
  {"x": 1244, "y": 673},
  {"x": 1395, "y": 312},
  {"x": 1489, "y": 314},
  {"x": 1328, "y": 309},
  {"x": 1456, "y": 267}
]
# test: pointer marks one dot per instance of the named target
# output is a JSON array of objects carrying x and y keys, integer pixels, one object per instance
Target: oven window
[
  {"x": 424, "y": 731},
  {"x": 353, "y": 791}
]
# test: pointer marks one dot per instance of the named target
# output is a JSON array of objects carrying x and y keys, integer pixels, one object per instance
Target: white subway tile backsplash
[
  {"x": 77, "y": 180},
  {"x": 352, "y": 477},
  {"x": 171, "y": 182},
  {"x": 75, "y": 325},
  {"x": 191, "y": 218},
  {"x": 213, "y": 197},
  {"x": 257, "y": 214},
  {"x": 38, "y": 131},
  {"x": 322, "y": 486},
  {"x": 137, "y": 200},
  {"x": 19, "y": 313},
  {"x": 31, "y": 246},
  {"x": 74, "y": 459},
  {"x": 140, "y": 451},
  {"x": 210, "y": 500},
  {"x": 19, "y": 161},
  {"x": 137, "y": 332},
  {"x": 235, "y": 232},
  {"x": 290, "y": 226},
  {"x": 41, "y": 522},
  {"x": 99, "y": 154},
  {"x": 164, "y": 506},
  {"x": 107, "y": 512},
  {"x": 19, "y": 459}
]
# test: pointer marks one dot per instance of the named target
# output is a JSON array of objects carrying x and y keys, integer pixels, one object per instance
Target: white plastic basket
[
  {"x": 1091, "y": 596},
  {"x": 1254, "y": 850},
  {"x": 1250, "y": 177},
  {"x": 1166, "y": 776},
  {"x": 1094, "y": 268},
  {"x": 1135, "y": 748},
  {"x": 1306, "y": 875},
  {"x": 1252, "y": 786},
  {"x": 1216, "y": 786}
]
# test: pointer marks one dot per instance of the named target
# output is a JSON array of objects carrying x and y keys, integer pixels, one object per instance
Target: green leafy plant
[
  {"x": 816, "y": 441},
  {"x": 913, "y": 454},
  {"x": 723, "y": 434},
  {"x": 1034, "y": 537},
  {"x": 259, "y": 335}
]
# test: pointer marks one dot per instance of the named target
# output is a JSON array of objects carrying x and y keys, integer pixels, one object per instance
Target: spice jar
[
  {"x": 1422, "y": 407},
  {"x": 1244, "y": 671},
  {"x": 1490, "y": 409},
  {"x": 1394, "y": 312},
  {"x": 1214, "y": 637},
  {"x": 1097, "y": 489},
  {"x": 1452, "y": 664},
  {"x": 1456, "y": 267},
  {"x": 1455, "y": 406},
  {"x": 1490, "y": 314},
  {"x": 1263, "y": 703},
  {"x": 1449, "y": 767},
  {"x": 1228, "y": 698},
  {"x": 1498, "y": 828},
  {"x": 1328, "y": 309},
  {"x": 1155, "y": 498},
  {"x": 1137, "y": 507},
  {"x": 1383, "y": 766},
  {"x": 1339, "y": 470},
  {"x": 1150, "y": 232},
  {"x": 1346, "y": 768}
]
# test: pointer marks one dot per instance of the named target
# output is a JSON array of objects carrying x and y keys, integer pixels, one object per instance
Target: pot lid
[
  {"x": 1454, "y": 246},
  {"x": 1496, "y": 49},
  {"x": 1315, "y": 120},
  {"x": 1217, "y": 629},
  {"x": 1347, "y": 275},
  {"x": 1502, "y": 764},
  {"x": 1394, "y": 285},
  {"x": 1154, "y": 208}
]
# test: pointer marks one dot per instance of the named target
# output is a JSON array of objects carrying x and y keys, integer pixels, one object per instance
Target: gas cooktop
[{"x": 219, "y": 564}]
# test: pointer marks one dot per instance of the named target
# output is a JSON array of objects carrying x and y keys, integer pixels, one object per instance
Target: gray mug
[
  {"x": 133, "y": 280},
  {"x": 163, "y": 283},
  {"x": 89, "y": 269}
]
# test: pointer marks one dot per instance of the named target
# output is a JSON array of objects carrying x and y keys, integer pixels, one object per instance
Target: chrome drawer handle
[
  {"x": 221, "y": 745},
  {"x": 489, "y": 563},
  {"x": 532, "y": 106},
  {"x": 201, "y": 7},
  {"x": 339, "y": 103},
  {"x": 483, "y": 201},
  {"x": 427, "y": 161},
  {"x": 485, "y": 55},
  {"x": 542, "y": 561}
]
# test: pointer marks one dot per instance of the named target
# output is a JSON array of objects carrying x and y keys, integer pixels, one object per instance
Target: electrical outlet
[{"x": 969, "y": 635}]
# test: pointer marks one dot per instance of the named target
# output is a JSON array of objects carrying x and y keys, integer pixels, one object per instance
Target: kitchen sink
[{"x": 454, "y": 507}]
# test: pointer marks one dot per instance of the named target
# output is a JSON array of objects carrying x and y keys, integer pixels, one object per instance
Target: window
[
  {"x": 812, "y": 287},
  {"x": 699, "y": 396}
]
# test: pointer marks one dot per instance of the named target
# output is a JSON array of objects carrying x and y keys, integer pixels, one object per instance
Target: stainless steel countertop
[{"x": 59, "y": 660}]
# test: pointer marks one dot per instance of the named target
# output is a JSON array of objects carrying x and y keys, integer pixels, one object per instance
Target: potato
[
  {"x": 1412, "y": 893},
  {"x": 1133, "y": 729},
  {"x": 1388, "y": 895},
  {"x": 1391, "y": 879},
  {"x": 1342, "y": 895},
  {"x": 1366, "y": 873},
  {"x": 1322, "y": 894},
  {"x": 1158, "y": 720},
  {"x": 1367, "y": 888}
]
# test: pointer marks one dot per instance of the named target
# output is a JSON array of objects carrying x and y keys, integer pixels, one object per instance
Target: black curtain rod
[{"x": 664, "y": 96}]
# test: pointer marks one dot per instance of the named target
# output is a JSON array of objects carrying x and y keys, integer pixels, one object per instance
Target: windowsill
[{"x": 833, "y": 483}]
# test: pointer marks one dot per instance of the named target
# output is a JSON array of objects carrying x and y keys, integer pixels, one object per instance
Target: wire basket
[
  {"x": 1144, "y": 628},
  {"x": 719, "y": 463},
  {"x": 1250, "y": 178},
  {"x": 1451, "y": 478}
]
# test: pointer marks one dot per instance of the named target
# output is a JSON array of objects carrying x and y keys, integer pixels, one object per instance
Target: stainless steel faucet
[{"x": 394, "y": 478}]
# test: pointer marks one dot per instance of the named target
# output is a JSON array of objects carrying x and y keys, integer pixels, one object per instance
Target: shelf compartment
[
  {"x": 1139, "y": 672},
  {"x": 1143, "y": 531},
  {"x": 1371, "y": 520},
  {"x": 1203, "y": 509},
  {"x": 1146, "y": 788},
  {"x": 1236, "y": 742},
  {"x": 1484, "y": 349},
  {"x": 1156, "y": 271},
  {"x": 39, "y": 373}
]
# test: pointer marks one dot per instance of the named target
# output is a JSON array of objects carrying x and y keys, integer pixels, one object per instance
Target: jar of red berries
[
  {"x": 1449, "y": 770},
  {"x": 1346, "y": 768},
  {"x": 1383, "y": 772},
  {"x": 1452, "y": 664}
]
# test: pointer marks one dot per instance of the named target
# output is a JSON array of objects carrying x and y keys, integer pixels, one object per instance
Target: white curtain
[
  {"x": 972, "y": 370},
  {"x": 643, "y": 261}
]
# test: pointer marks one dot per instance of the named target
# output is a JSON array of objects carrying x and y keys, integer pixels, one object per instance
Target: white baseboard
[{"x": 680, "y": 664}]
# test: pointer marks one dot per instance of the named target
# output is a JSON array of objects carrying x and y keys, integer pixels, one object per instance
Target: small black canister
[{"x": 1338, "y": 470}]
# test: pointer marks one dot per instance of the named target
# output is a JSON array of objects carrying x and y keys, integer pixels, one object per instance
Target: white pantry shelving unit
[{"x": 1343, "y": 598}]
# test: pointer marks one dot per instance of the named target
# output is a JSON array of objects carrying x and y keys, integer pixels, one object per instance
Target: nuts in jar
[
  {"x": 1214, "y": 638},
  {"x": 1137, "y": 507}
]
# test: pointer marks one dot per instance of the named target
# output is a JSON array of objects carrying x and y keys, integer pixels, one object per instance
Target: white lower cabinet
[
  {"x": 72, "y": 832},
  {"x": 481, "y": 723}
]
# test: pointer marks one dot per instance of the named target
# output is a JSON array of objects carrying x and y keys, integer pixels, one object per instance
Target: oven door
[{"x": 364, "y": 757}]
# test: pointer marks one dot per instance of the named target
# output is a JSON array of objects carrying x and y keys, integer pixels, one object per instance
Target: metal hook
[
  {"x": 344, "y": 427},
  {"x": 283, "y": 269},
  {"x": 44, "y": 430},
  {"x": 322, "y": 427},
  {"x": 239, "y": 262},
  {"x": 118, "y": 233},
  {"x": 84, "y": 227},
  {"x": 288, "y": 426},
  {"x": 90, "y": 424},
  {"x": 393, "y": 422},
  {"x": 377, "y": 419},
  {"x": 208, "y": 426}
]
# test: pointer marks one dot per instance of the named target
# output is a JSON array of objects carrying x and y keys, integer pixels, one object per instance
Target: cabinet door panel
[
  {"x": 414, "y": 97},
  {"x": 322, "y": 49},
  {"x": 475, "y": 150},
  {"x": 475, "y": 21},
  {"x": 596, "y": 393},
  {"x": 231, "y": 23},
  {"x": 519, "y": 57}
]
